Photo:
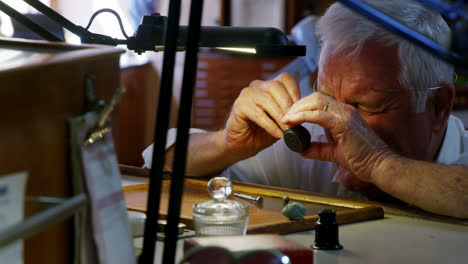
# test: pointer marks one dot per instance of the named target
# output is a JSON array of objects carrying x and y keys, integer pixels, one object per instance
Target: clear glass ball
[{"x": 219, "y": 188}]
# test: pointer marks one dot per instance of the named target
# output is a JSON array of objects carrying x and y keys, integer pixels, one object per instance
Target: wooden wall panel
[
  {"x": 138, "y": 112},
  {"x": 221, "y": 78}
]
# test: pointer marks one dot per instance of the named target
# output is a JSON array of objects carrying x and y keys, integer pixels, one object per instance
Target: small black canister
[{"x": 326, "y": 231}]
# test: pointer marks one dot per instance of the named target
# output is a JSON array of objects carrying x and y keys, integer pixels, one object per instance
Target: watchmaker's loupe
[{"x": 297, "y": 138}]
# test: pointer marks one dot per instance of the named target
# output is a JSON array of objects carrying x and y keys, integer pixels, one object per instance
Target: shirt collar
[
  {"x": 451, "y": 146},
  {"x": 336, "y": 178}
]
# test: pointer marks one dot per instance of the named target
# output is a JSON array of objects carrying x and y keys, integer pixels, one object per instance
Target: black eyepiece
[{"x": 297, "y": 138}]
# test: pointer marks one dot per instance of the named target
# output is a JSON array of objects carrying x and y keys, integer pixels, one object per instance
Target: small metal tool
[
  {"x": 115, "y": 100},
  {"x": 101, "y": 128},
  {"x": 258, "y": 199}
]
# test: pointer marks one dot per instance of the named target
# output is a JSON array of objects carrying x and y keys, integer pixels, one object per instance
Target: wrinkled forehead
[
  {"x": 369, "y": 50},
  {"x": 355, "y": 75},
  {"x": 371, "y": 60}
]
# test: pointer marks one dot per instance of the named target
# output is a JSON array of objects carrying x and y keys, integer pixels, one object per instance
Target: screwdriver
[{"x": 258, "y": 199}]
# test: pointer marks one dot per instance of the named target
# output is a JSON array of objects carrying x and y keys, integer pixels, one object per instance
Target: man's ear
[{"x": 441, "y": 105}]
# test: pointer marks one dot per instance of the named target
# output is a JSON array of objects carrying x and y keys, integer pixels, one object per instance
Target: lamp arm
[
  {"x": 56, "y": 17},
  {"x": 85, "y": 35},
  {"x": 33, "y": 26}
]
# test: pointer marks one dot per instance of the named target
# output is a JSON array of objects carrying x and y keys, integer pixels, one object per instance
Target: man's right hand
[
  {"x": 254, "y": 124},
  {"x": 255, "y": 119}
]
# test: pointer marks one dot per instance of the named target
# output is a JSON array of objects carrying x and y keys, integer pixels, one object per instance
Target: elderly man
[{"x": 381, "y": 113}]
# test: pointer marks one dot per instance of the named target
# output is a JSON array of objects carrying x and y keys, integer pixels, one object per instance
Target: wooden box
[{"x": 42, "y": 84}]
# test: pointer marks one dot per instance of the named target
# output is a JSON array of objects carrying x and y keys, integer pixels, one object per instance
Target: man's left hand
[{"x": 351, "y": 142}]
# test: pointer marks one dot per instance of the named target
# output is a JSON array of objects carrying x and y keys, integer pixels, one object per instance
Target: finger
[
  {"x": 321, "y": 118},
  {"x": 292, "y": 87},
  {"x": 277, "y": 90},
  {"x": 268, "y": 103},
  {"x": 256, "y": 83},
  {"x": 315, "y": 101},
  {"x": 259, "y": 117},
  {"x": 280, "y": 94},
  {"x": 320, "y": 151}
]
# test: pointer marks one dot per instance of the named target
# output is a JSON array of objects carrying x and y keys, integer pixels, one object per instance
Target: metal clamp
[{"x": 101, "y": 128}]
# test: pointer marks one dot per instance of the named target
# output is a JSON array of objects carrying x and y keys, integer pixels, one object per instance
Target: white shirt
[{"x": 279, "y": 166}]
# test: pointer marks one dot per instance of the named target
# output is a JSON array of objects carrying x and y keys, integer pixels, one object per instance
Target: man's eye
[{"x": 366, "y": 112}]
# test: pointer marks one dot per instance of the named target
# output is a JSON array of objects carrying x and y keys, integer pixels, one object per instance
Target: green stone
[{"x": 294, "y": 211}]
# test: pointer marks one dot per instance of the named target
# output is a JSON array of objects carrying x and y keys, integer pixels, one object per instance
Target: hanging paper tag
[{"x": 110, "y": 224}]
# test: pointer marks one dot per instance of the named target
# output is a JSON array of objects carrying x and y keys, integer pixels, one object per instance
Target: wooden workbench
[{"x": 264, "y": 218}]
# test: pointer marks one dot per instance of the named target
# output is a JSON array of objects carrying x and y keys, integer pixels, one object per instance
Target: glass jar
[{"x": 220, "y": 217}]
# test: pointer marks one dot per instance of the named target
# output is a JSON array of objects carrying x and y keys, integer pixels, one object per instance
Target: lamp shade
[{"x": 265, "y": 40}]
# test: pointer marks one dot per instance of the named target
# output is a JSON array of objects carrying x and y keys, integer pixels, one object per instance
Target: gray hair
[{"x": 419, "y": 69}]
